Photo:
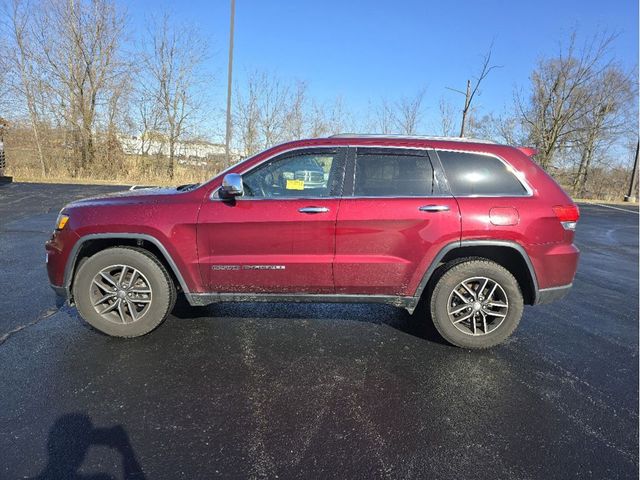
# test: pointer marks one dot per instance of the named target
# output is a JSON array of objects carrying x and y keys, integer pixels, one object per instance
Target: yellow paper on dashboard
[{"x": 295, "y": 184}]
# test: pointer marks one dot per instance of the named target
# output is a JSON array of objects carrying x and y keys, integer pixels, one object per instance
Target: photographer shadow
[{"x": 69, "y": 440}]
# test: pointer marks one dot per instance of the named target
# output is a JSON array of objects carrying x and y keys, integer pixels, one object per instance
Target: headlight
[{"x": 61, "y": 221}]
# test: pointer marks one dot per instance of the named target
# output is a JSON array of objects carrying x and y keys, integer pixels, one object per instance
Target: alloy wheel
[
  {"x": 477, "y": 306},
  {"x": 121, "y": 294}
]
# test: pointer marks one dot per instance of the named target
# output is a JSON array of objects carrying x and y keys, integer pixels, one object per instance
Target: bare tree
[
  {"x": 79, "y": 43},
  {"x": 329, "y": 119},
  {"x": 471, "y": 92},
  {"x": 247, "y": 118},
  {"x": 502, "y": 128},
  {"x": 4, "y": 72},
  {"x": 296, "y": 118},
  {"x": 560, "y": 95},
  {"x": 265, "y": 109},
  {"x": 386, "y": 117},
  {"x": 409, "y": 113},
  {"x": 318, "y": 121},
  {"x": 172, "y": 67},
  {"x": 116, "y": 115},
  {"x": 269, "y": 111},
  {"x": 23, "y": 61},
  {"x": 273, "y": 108},
  {"x": 611, "y": 94},
  {"x": 447, "y": 121},
  {"x": 149, "y": 114}
]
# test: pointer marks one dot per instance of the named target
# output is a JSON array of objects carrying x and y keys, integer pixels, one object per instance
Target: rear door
[
  {"x": 279, "y": 236},
  {"x": 395, "y": 216}
]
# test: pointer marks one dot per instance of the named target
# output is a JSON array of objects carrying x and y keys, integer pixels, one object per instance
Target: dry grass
[
  {"x": 181, "y": 176},
  {"x": 110, "y": 166},
  {"x": 132, "y": 171},
  {"x": 606, "y": 202}
]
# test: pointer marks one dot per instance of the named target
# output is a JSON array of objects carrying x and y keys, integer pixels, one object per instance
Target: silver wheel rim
[
  {"x": 120, "y": 294},
  {"x": 477, "y": 306}
]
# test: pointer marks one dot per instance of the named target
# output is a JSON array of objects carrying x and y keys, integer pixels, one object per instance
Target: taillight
[{"x": 568, "y": 215}]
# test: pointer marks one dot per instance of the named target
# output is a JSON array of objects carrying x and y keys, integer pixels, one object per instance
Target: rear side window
[
  {"x": 392, "y": 175},
  {"x": 476, "y": 174}
]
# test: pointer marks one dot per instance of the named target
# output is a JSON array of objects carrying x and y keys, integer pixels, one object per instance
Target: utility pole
[
  {"x": 467, "y": 104},
  {"x": 630, "y": 197},
  {"x": 471, "y": 92},
  {"x": 227, "y": 141},
  {"x": 3, "y": 165}
]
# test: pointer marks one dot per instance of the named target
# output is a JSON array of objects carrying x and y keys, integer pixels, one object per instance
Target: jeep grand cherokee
[{"x": 474, "y": 229}]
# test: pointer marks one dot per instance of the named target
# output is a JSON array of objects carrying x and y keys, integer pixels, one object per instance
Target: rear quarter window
[{"x": 477, "y": 174}]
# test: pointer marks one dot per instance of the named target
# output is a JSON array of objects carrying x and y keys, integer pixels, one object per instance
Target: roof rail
[{"x": 410, "y": 137}]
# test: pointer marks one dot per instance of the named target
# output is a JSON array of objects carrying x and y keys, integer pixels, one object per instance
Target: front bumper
[{"x": 58, "y": 249}]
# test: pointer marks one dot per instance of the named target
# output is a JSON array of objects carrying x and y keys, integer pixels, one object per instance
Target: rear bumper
[
  {"x": 549, "y": 295},
  {"x": 60, "y": 291},
  {"x": 555, "y": 267}
]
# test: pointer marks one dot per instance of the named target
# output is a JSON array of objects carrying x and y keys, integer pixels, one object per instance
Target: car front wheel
[
  {"x": 476, "y": 304},
  {"x": 123, "y": 292}
]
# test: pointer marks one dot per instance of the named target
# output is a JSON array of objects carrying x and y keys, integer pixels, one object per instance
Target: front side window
[
  {"x": 392, "y": 175},
  {"x": 476, "y": 174},
  {"x": 295, "y": 176}
]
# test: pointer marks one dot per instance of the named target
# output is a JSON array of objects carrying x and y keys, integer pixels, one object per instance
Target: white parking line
[{"x": 610, "y": 206}]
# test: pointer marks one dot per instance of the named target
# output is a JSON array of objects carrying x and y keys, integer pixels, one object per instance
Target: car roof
[
  {"x": 411, "y": 137},
  {"x": 397, "y": 141}
]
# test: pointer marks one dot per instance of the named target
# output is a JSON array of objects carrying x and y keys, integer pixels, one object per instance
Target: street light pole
[
  {"x": 227, "y": 142},
  {"x": 629, "y": 197}
]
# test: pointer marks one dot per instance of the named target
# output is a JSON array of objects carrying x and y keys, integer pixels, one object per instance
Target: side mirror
[{"x": 232, "y": 186}]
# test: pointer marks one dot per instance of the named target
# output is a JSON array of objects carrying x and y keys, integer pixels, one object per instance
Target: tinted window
[
  {"x": 300, "y": 175},
  {"x": 392, "y": 175},
  {"x": 475, "y": 174}
]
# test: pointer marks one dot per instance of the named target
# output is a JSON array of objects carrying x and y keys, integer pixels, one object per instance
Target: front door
[
  {"x": 394, "y": 219},
  {"x": 279, "y": 237}
]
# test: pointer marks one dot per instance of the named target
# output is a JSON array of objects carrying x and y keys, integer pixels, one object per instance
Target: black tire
[
  {"x": 444, "y": 301},
  {"x": 158, "y": 302}
]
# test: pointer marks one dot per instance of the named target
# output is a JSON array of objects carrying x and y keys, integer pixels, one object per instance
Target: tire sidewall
[
  {"x": 461, "y": 272},
  {"x": 158, "y": 281}
]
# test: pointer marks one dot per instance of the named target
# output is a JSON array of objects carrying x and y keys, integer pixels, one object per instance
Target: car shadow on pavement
[
  {"x": 418, "y": 324},
  {"x": 69, "y": 441}
]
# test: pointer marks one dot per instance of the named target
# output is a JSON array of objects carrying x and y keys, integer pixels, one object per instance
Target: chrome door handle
[
  {"x": 434, "y": 208},
  {"x": 314, "y": 210}
]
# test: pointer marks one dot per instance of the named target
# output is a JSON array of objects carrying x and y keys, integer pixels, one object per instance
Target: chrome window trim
[
  {"x": 248, "y": 199},
  {"x": 399, "y": 197},
  {"x": 520, "y": 177}
]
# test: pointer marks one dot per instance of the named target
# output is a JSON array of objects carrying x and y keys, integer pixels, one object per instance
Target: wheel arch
[
  {"x": 88, "y": 245},
  {"x": 508, "y": 254}
]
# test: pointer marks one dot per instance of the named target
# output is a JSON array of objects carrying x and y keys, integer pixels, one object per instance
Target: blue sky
[{"x": 366, "y": 50}]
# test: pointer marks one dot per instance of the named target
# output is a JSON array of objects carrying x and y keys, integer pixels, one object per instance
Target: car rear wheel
[
  {"x": 123, "y": 292},
  {"x": 476, "y": 304}
]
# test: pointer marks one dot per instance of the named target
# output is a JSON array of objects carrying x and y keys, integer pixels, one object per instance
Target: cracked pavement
[{"x": 316, "y": 391}]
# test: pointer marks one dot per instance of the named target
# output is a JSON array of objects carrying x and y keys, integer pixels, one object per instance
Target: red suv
[{"x": 475, "y": 229}]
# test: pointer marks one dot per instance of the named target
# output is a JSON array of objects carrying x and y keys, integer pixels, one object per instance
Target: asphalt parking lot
[{"x": 316, "y": 391}]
